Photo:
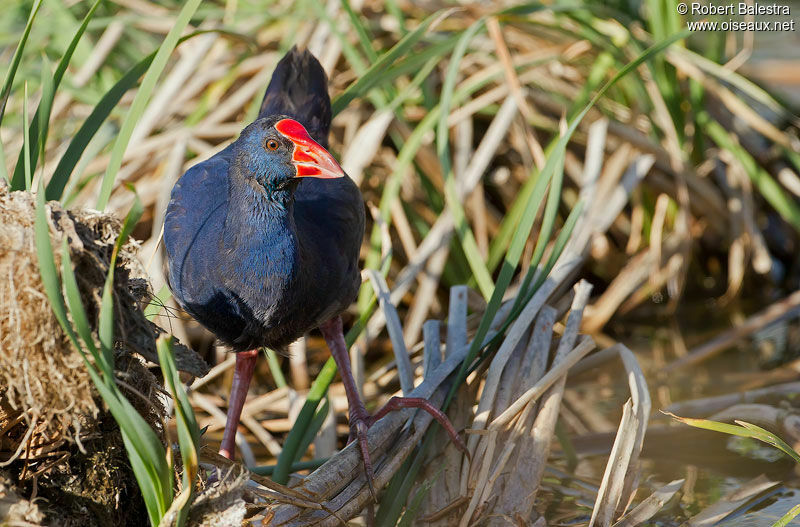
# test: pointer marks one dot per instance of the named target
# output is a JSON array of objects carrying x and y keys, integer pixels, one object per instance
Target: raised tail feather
[{"x": 299, "y": 89}]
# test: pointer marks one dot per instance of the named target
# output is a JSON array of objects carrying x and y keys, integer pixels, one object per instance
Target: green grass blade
[
  {"x": 146, "y": 454},
  {"x": 521, "y": 234},
  {"x": 468, "y": 243},
  {"x": 41, "y": 118},
  {"x": 131, "y": 219},
  {"x": 3, "y": 169},
  {"x": 15, "y": 59},
  {"x": 388, "y": 512},
  {"x": 446, "y": 99},
  {"x": 145, "y": 451},
  {"x": 40, "y": 125},
  {"x": 75, "y": 304},
  {"x": 405, "y": 157},
  {"x": 295, "y": 438},
  {"x": 789, "y": 516},
  {"x": 293, "y": 441},
  {"x": 714, "y": 426},
  {"x": 109, "y": 101},
  {"x": 499, "y": 244},
  {"x": 519, "y": 240},
  {"x": 396, "y": 496},
  {"x": 546, "y": 230},
  {"x": 106, "y": 320},
  {"x": 526, "y": 293},
  {"x": 188, "y": 430},
  {"x": 391, "y": 187},
  {"x": 364, "y": 38},
  {"x": 154, "y": 503},
  {"x": 68, "y": 53},
  {"x": 601, "y": 66},
  {"x": 771, "y": 439},
  {"x": 105, "y": 323},
  {"x": 275, "y": 367},
  {"x": 313, "y": 428},
  {"x": 413, "y": 61},
  {"x": 412, "y": 510},
  {"x": 374, "y": 75},
  {"x": 397, "y": 12},
  {"x": 328, "y": 372},
  {"x": 26, "y": 141},
  {"x": 561, "y": 242},
  {"x": 741, "y": 429},
  {"x": 47, "y": 267},
  {"x": 56, "y": 185},
  {"x": 775, "y": 195},
  {"x": 142, "y": 97}
]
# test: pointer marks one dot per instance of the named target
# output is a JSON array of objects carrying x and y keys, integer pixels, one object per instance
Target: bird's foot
[{"x": 361, "y": 421}]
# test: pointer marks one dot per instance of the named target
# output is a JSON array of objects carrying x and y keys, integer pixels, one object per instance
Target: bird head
[{"x": 276, "y": 152}]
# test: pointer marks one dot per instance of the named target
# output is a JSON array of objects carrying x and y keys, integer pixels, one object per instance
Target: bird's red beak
[{"x": 309, "y": 158}]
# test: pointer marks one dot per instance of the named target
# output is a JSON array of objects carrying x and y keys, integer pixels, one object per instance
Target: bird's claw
[
  {"x": 361, "y": 421},
  {"x": 358, "y": 432}
]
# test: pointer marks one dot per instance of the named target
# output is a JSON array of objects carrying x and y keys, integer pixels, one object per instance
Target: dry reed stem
[
  {"x": 636, "y": 273},
  {"x": 650, "y": 505},
  {"x": 608, "y": 497},
  {"x": 731, "y": 502},
  {"x": 402, "y": 360},
  {"x": 709, "y": 405},
  {"x": 730, "y": 337},
  {"x": 533, "y": 430},
  {"x": 432, "y": 357},
  {"x": 581, "y": 350},
  {"x": 425, "y": 295}
]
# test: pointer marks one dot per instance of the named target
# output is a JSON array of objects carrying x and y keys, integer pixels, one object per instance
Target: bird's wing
[
  {"x": 193, "y": 226},
  {"x": 329, "y": 216}
]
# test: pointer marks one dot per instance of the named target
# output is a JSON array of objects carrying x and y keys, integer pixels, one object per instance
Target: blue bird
[{"x": 263, "y": 239}]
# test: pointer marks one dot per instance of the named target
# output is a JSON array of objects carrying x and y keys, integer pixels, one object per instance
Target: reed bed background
[{"x": 545, "y": 183}]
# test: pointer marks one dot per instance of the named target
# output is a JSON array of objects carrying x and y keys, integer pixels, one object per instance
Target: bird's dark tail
[{"x": 299, "y": 89}]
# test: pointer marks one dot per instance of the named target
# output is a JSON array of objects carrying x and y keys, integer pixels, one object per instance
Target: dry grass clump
[
  {"x": 54, "y": 432},
  {"x": 43, "y": 376}
]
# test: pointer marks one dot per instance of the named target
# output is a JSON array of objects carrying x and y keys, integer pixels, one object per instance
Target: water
[
  {"x": 715, "y": 463},
  {"x": 769, "y": 510}
]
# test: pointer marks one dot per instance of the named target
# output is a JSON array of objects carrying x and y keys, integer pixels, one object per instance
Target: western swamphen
[{"x": 263, "y": 240}]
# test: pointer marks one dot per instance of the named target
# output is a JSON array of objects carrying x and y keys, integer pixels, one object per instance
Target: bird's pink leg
[
  {"x": 360, "y": 420},
  {"x": 243, "y": 372}
]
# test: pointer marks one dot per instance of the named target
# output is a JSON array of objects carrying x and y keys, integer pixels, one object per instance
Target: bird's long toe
[
  {"x": 361, "y": 422},
  {"x": 359, "y": 432},
  {"x": 400, "y": 403}
]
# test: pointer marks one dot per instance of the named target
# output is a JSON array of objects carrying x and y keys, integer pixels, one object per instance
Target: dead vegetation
[
  {"x": 55, "y": 435},
  {"x": 671, "y": 214}
]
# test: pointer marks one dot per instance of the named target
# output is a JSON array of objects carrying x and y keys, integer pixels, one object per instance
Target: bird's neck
[{"x": 260, "y": 232}]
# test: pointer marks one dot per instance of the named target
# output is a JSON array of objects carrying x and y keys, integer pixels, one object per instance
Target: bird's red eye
[{"x": 272, "y": 144}]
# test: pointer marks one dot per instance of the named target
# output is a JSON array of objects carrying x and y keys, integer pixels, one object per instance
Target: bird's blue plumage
[{"x": 256, "y": 256}]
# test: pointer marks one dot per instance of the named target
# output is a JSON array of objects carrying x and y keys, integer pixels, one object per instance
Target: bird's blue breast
[{"x": 233, "y": 274}]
